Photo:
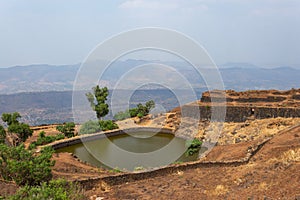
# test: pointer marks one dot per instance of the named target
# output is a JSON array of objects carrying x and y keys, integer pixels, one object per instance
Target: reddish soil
[
  {"x": 272, "y": 173},
  {"x": 70, "y": 168},
  {"x": 267, "y": 175}
]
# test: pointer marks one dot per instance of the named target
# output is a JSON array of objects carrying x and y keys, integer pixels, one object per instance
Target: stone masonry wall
[{"x": 240, "y": 113}]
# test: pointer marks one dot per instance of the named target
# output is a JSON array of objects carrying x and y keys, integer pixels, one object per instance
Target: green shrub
[
  {"x": 23, "y": 167},
  {"x": 193, "y": 146},
  {"x": 107, "y": 125},
  {"x": 55, "y": 189},
  {"x": 97, "y": 126},
  {"x": 21, "y": 129},
  {"x": 97, "y": 101},
  {"x": 11, "y": 118},
  {"x": 90, "y": 127},
  {"x": 122, "y": 115},
  {"x": 67, "y": 129},
  {"x": 133, "y": 112},
  {"x": 2, "y": 134},
  {"x": 43, "y": 140},
  {"x": 139, "y": 111},
  {"x": 140, "y": 115}
]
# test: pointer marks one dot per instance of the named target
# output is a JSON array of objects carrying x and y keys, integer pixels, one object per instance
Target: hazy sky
[{"x": 262, "y": 32}]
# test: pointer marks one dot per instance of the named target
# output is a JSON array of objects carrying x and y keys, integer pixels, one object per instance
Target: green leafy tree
[
  {"x": 150, "y": 105},
  {"x": 11, "y": 118},
  {"x": 2, "y": 134},
  {"x": 23, "y": 167},
  {"x": 14, "y": 126},
  {"x": 68, "y": 129},
  {"x": 97, "y": 100},
  {"x": 23, "y": 130},
  {"x": 133, "y": 112}
]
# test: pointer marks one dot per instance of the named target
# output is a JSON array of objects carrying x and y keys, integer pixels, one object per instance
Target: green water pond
[{"x": 138, "y": 150}]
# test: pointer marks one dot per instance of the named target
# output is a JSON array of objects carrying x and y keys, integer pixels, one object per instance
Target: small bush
[
  {"x": 122, "y": 115},
  {"x": 107, "y": 125},
  {"x": 55, "y": 189},
  {"x": 67, "y": 129},
  {"x": 97, "y": 126},
  {"x": 140, "y": 115},
  {"x": 43, "y": 140},
  {"x": 90, "y": 127},
  {"x": 23, "y": 167},
  {"x": 133, "y": 112},
  {"x": 2, "y": 134},
  {"x": 139, "y": 111},
  {"x": 21, "y": 129},
  {"x": 193, "y": 146}
]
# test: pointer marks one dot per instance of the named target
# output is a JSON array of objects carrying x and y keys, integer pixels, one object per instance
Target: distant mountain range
[
  {"x": 43, "y": 93},
  {"x": 238, "y": 76},
  {"x": 56, "y": 107}
]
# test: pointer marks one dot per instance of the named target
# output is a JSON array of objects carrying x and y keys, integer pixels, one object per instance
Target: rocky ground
[{"x": 272, "y": 173}]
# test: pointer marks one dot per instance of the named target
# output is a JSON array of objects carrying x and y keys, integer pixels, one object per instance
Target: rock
[
  {"x": 170, "y": 115},
  {"x": 137, "y": 120},
  {"x": 242, "y": 136},
  {"x": 169, "y": 120},
  {"x": 237, "y": 140},
  {"x": 234, "y": 132}
]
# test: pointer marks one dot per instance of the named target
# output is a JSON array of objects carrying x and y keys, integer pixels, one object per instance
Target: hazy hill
[
  {"x": 56, "y": 107},
  {"x": 33, "y": 78},
  {"x": 238, "y": 76},
  {"x": 43, "y": 93}
]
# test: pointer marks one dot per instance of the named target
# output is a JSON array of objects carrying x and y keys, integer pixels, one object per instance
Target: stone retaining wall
[
  {"x": 135, "y": 176},
  {"x": 240, "y": 113},
  {"x": 89, "y": 137}
]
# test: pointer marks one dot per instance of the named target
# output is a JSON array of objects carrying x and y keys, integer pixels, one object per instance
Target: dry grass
[
  {"x": 288, "y": 157},
  {"x": 291, "y": 156},
  {"x": 220, "y": 190},
  {"x": 263, "y": 186}
]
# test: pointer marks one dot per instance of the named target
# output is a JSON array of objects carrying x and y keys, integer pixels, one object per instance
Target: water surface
[{"x": 130, "y": 152}]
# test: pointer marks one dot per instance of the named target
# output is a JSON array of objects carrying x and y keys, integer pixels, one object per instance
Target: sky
[{"x": 262, "y": 32}]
